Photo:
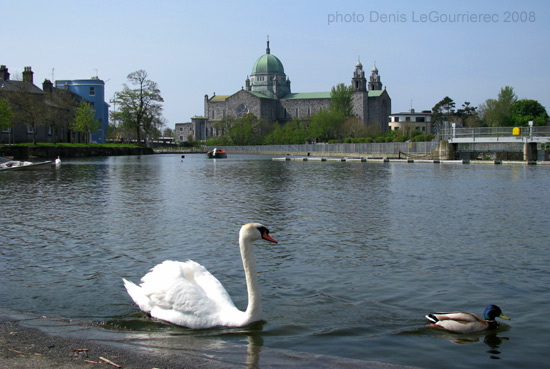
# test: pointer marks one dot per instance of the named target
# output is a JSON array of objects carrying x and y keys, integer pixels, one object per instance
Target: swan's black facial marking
[{"x": 265, "y": 234}]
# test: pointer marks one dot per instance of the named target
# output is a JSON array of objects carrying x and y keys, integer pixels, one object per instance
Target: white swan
[
  {"x": 186, "y": 294},
  {"x": 58, "y": 161}
]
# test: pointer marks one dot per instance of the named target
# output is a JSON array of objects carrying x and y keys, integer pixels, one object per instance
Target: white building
[{"x": 411, "y": 120}]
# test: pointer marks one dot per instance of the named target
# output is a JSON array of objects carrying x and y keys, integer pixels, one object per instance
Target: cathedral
[{"x": 267, "y": 94}]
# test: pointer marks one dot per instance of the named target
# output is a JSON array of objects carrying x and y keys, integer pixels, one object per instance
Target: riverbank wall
[
  {"x": 52, "y": 152},
  {"x": 425, "y": 150}
]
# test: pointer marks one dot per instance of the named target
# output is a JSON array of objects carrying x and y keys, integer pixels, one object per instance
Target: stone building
[
  {"x": 267, "y": 94},
  {"x": 43, "y": 115}
]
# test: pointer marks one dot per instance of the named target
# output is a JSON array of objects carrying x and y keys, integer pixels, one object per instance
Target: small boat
[
  {"x": 9, "y": 164},
  {"x": 216, "y": 154}
]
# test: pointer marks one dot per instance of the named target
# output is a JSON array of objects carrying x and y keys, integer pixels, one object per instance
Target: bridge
[
  {"x": 519, "y": 135},
  {"x": 497, "y": 139}
]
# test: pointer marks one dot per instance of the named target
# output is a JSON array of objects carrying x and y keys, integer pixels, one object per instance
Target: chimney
[
  {"x": 47, "y": 85},
  {"x": 27, "y": 75},
  {"x": 4, "y": 75}
]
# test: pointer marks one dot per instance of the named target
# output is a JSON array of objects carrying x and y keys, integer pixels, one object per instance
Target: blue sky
[{"x": 195, "y": 48}]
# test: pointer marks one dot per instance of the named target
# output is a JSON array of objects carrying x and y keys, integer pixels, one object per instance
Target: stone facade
[
  {"x": 267, "y": 94},
  {"x": 41, "y": 115}
]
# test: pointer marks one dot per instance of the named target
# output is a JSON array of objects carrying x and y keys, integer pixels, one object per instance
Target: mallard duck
[{"x": 467, "y": 322}]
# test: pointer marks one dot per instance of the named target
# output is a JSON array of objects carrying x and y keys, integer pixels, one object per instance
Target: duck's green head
[{"x": 492, "y": 312}]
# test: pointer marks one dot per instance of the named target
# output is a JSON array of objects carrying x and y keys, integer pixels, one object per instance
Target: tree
[
  {"x": 6, "y": 115},
  {"x": 326, "y": 124},
  {"x": 140, "y": 107},
  {"x": 497, "y": 113},
  {"x": 84, "y": 120},
  {"x": 523, "y": 111},
  {"x": 153, "y": 122},
  {"x": 354, "y": 128},
  {"x": 443, "y": 111},
  {"x": 28, "y": 106},
  {"x": 290, "y": 133},
  {"x": 340, "y": 100},
  {"x": 61, "y": 108},
  {"x": 244, "y": 130},
  {"x": 468, "y": 115}
]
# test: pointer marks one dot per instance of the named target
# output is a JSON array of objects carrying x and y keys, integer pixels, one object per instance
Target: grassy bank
[{"x": 66, "y": 150}]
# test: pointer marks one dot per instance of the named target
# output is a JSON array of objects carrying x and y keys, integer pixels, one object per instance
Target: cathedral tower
[
  {"x": 374, "y": 82},
  {"x": 359, "y": 82}
]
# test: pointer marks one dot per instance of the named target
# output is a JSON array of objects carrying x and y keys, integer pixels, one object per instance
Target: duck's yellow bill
[{"x": 504, "y": 317}]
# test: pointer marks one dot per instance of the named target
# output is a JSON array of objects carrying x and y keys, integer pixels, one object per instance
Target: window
[
  {"x": 420, "y": 119},
  {"x": 297, "y": 113},
  {"x": 396, "y": 119},
  {"x": 241, "y": 110},
  {"x": 92, "y": 91},
  {"x": 407, "y": 119},
  {"x": 30, "y": 129}
]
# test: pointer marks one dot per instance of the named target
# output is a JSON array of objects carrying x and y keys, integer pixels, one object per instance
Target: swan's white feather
[{"x": 184, "y": 293}]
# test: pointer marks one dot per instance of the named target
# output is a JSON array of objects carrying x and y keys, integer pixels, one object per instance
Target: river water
[{"x": 365, "y": 249}]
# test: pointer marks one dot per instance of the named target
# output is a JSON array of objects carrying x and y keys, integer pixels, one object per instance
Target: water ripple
[{"x": 365, "y": 250}]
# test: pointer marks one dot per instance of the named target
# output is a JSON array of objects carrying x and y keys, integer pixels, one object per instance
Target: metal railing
[{"x": 494, "y": 132}]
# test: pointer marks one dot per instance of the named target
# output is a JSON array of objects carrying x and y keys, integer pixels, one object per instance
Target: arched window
[{"x": 241, "y": 110}]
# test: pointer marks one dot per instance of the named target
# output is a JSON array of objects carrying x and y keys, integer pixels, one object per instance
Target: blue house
[{"x": 92, "y": 90}]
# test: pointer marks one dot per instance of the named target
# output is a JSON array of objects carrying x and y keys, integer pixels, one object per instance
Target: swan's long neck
[{"x": 254, "y": 309}]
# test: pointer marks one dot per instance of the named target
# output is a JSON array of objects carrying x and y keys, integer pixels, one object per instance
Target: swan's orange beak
[{"x": 265, "y": 236}]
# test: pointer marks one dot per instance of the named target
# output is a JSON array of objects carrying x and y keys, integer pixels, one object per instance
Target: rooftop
[{"x": 308, "y": 95}]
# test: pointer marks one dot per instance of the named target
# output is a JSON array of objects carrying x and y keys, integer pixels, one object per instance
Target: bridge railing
[{"x": 485, "y": 132}]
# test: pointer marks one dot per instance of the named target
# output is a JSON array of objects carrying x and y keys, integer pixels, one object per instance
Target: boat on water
[
  {"x": 216, "y": 154},
  {"x": 10, "y": 164}
]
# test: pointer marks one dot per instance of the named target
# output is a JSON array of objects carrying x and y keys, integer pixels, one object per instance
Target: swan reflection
[{"x": 255, "y": 343}]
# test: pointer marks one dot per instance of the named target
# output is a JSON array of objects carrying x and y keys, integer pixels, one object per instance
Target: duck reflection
[
  {"x": 491, "y": 339},
  {"x": 494, "y": 342}
]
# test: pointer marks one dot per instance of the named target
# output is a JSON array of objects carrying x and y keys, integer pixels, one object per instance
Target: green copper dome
[
  {"x": 268, "y": 64},
  {"x": 268, "y": 76}
]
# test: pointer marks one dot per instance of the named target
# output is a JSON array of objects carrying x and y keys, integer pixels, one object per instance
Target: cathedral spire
[
  {"x": 374, "y": 82},
  {"x": 267, "y": 51}
]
